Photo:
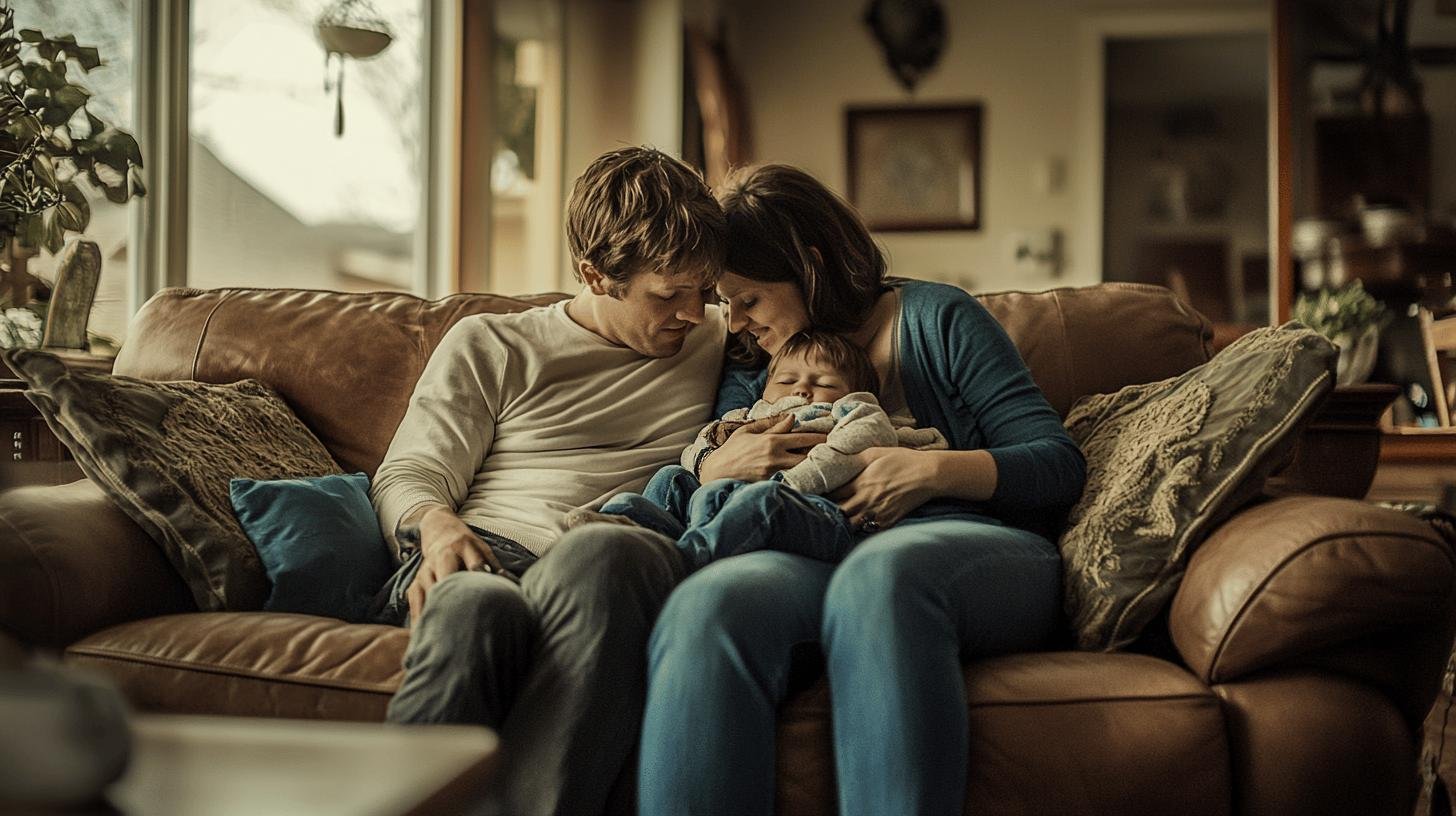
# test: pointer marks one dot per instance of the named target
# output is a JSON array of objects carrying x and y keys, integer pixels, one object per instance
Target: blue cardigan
[{"x": 964, "y": 376}]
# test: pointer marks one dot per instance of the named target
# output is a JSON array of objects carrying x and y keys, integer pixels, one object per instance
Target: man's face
[
  {"x": 807, "y": 376},
  {"x": 653, "y": 312}
]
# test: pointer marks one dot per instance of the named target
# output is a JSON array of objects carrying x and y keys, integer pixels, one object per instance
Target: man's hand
[
  {"x": 758, "y": 450},
  {"x": 447, "y": 545}
]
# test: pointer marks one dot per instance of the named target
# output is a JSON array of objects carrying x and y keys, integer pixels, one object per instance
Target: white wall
[
  {"x": 802, "y": 62},
  {"x": 623, "y": 70}
]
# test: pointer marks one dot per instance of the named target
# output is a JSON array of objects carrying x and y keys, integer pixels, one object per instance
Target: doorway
[{"x": 1179, "y": 125}]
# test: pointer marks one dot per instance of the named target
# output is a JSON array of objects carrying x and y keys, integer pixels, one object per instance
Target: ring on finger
[{"x": 868, "y": 524}]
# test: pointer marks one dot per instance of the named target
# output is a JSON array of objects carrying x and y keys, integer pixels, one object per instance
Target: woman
[{"x": 950, "y": 566}]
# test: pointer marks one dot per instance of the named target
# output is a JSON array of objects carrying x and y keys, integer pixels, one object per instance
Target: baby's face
[{"x": 804, "y": 376}]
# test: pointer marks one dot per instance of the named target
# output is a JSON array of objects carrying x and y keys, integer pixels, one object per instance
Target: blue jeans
[
  {"x": 553, "y": 662},
  {"x": 896, "y": 621},
  {"x": 730, "y": 517}
]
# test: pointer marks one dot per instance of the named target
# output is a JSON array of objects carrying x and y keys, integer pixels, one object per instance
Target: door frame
[{"x": 1094, "y": 30}]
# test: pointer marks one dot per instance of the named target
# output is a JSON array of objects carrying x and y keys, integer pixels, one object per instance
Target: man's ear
[{"x": 598, "y": 283}]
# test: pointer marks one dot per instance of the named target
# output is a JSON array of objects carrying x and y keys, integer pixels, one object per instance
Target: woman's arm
[
  {"x": 1025, "y": 462},
  {"x": 740, "y": 388},
  {"x": 1037, "y": 466},
  {"x": 895, "y": 481}
]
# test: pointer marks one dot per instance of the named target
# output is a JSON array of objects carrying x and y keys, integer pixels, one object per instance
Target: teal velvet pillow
[{"x": 319, "y": 541}]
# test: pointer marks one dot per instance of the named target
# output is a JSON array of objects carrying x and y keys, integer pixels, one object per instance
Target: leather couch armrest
[
  {"x": 72, "y": 563},
  {"x": 1312, "y": 581}
]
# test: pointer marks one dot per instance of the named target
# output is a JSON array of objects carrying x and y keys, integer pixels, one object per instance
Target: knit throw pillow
[
  {"x": 165, "y": 453},
  {"x": 1167, "y": 461}
]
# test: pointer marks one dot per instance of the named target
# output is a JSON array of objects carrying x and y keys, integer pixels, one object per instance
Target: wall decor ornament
[
  {"x": 915, "y": 167},
  {"x": 348, "y": 29},
  {"x": 911, "y": 33}
]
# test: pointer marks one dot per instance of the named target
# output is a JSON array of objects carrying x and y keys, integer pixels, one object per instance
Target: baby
[{"x": 827, "y": 384}]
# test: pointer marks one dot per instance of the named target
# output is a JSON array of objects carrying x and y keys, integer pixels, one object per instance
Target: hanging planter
[{"x": 348, "y": 29}]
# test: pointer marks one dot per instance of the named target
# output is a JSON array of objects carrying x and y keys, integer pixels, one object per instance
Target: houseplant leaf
[{"x": 89, "y": 58}]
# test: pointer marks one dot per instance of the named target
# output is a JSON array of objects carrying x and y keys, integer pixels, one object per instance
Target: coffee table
[{"x": 226, "y": 765}]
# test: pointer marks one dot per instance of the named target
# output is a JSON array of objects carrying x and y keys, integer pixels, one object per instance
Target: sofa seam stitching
[
  {"x": 202, "y": 335},
  {"x": 1066, "y": 353},
  {"x": 1142, "y": 698},
  {"x": 1284, "y": 562},
  {"x": 219, "y": 669}
]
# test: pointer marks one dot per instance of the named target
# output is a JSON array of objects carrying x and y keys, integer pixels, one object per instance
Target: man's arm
[
  {"x": 710, "y": 438},
  {"x": 439, "y": 446}
]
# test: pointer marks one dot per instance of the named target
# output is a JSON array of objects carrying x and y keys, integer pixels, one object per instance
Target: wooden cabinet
[
  {"x": 31, "y": 454},
  {"x": 1418, "y": 466}
]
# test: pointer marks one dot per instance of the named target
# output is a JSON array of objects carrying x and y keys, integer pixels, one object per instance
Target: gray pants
[{"x": 556, "y": 664}]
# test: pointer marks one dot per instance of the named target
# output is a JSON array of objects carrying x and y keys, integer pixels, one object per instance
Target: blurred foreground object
[{"x": 65, "y": 737}]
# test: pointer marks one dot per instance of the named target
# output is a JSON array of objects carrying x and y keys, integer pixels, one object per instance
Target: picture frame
[{"x": 915, "y": 167}]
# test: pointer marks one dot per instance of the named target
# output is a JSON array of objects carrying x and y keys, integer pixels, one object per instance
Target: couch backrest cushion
[
  {"x": 347, "y": 362},
  {"x": 1098, "y": 339}
]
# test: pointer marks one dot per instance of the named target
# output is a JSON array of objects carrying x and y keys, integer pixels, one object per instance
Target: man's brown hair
[
  {"x": 845, "y": 357},
  {"x": 636, "y": 209}
]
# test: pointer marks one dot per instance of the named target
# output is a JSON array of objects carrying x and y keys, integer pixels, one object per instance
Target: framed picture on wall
[{"x": 915, "y": 167}]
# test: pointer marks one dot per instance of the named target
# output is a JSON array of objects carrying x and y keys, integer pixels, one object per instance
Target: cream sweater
[{"x": 519, "y": 418}]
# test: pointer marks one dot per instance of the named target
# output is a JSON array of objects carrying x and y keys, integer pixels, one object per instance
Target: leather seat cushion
[
  {"x": 250, "y": 663},
  {"x": 1082, "y": 732},
  {"x": 1087, "y": 733}
]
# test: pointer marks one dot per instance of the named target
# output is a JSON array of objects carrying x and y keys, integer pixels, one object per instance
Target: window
[
  {"x": 277, "y": 196},
  {"x": 237, "y": 122},
  {"x": 107, "y": 26}
]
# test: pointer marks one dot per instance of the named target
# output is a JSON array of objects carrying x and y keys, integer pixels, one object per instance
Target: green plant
[
  {"x": 53, "y": 150},
  {"x": 1348, "y": 310}
]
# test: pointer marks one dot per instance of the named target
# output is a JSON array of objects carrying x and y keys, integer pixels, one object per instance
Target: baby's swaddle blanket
[{"x": 854, "y": 422}]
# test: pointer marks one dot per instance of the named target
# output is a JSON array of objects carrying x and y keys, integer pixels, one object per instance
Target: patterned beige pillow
[
  {"x": 165, "y": 451},
  {"x": 1168, "y": 460}
]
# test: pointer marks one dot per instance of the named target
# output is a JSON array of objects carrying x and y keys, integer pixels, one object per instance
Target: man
[{"x": 516, "y": 420}]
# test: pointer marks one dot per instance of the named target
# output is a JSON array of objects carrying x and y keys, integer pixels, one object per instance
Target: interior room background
[
  {"x": 1118, "y": 140},
  {"x": 270, "y": 196}
]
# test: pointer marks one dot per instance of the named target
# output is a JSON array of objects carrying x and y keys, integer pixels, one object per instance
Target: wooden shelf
[{"x": 1419, "y": 445}]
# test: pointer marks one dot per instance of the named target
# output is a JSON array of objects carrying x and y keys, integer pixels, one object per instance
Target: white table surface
[{"x": 203, "y": 766}]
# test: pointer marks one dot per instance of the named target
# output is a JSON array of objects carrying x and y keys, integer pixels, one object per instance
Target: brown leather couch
[{"x": 1307, "y": 637}]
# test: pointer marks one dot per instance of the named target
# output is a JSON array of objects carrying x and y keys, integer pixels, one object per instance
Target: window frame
[{"x": 161, "y": 93}]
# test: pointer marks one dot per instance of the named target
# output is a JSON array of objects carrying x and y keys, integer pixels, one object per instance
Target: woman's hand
[
  {"x": 894, "y": 482},
  {"x": 447, "y": 546},
  {"x": 758, "y": 450}
]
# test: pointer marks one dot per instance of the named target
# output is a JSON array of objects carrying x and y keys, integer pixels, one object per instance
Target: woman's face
[{"x": 771, "y": 312}]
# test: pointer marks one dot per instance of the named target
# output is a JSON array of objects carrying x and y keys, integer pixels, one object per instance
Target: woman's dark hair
[
  {"x": 836, "y": 350},
  {"x": 784, "y": 225}
]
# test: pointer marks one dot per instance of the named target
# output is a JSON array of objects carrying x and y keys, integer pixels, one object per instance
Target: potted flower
[
  {"x": 1352, "y": 320},
  {"x": 56, "y": 157}
]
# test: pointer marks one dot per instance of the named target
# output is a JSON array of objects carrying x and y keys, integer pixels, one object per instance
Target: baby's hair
[{"x": 836, "y": 350}]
